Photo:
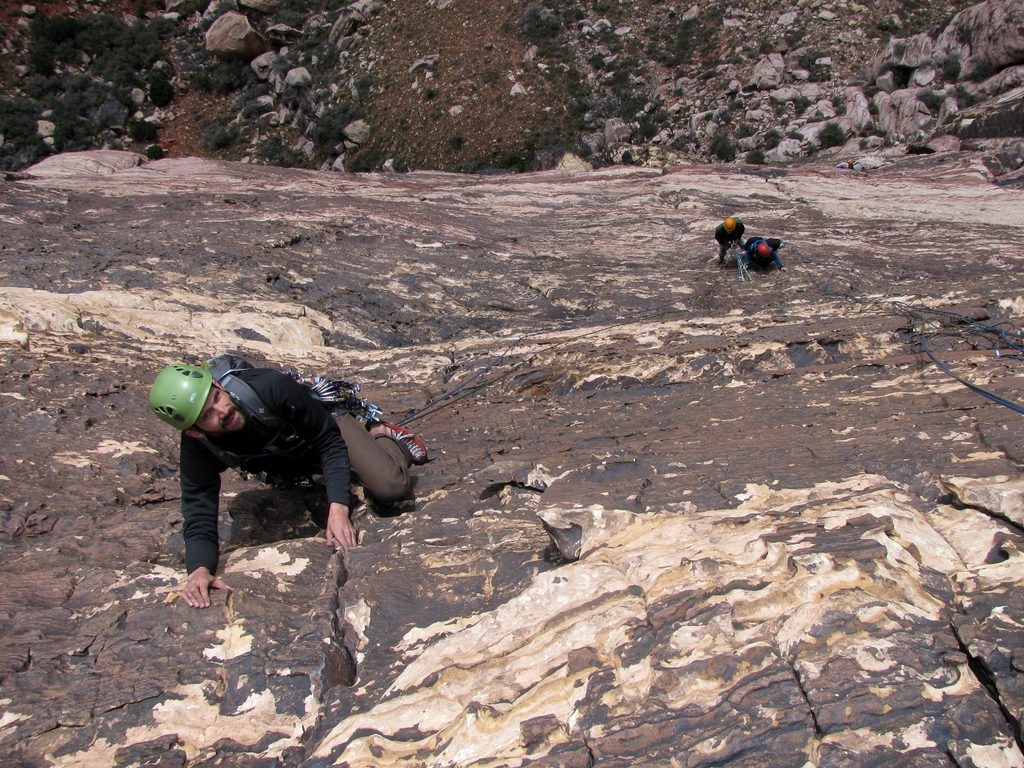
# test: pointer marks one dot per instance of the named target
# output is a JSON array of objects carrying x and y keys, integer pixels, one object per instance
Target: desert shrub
[
  {"x": 673, "y": 43},
  {"x": 538, "y": 24},
  {"x": 119, "y": 53},
  {"x": 22, "y": 145},
  {"x": 222, "y": 77},
  {"x": 809, "y": 60},
  {"x": 363, "y": 84},
  {"x": 368, "y": 158},
  {"x": 140, "y": 130},
  {"x": 930, "y": 99},
  {"x": 951, "y": 66},
  {"x": 52, "y": 41},
  {"x": 722, "y": 147},
  {"x": 772, "y": 139},
  {"x": 832, "y": 135},
  {"x": 160, "y": 91},
  {"x": 456, "y": 142},
  {"x": 965, "y": 98},
  {"x": 755, "y": 157},
  {"x": 800, "y": 104},
  {"x": 743, "y": 130},
  {"x": 274, "y": 151},
  {"x": 220, "y": 135},
  {"x": 155, "y": 152},
  {"x": 327, "y": 132},
  {"x": 84, "y": 110}
]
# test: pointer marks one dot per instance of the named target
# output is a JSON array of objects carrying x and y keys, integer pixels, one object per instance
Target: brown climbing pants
[{"x": 379, "y": 463}]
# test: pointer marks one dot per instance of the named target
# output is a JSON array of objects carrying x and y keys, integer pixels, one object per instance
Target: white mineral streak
[
  {"x": 1003, "y": 754},
  {"x": 357, "y": 619},
  {"x": 198, "y": 724},
  {"x": 235, "y": 642},
  {"x": 469, "y": 688},
  {"x": 266, "y": 560},
  {"x": 202, "y": 322}
]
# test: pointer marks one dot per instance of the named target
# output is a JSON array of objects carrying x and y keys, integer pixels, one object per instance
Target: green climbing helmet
[{"x": 179, "y": 393}]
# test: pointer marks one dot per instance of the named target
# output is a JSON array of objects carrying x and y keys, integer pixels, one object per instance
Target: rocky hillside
[
  {"x": 468, "y": 86},
  {"x": 670, "y": 518}
]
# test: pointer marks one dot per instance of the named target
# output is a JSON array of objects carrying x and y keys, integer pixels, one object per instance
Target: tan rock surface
[{"x": 787, "y": 538}]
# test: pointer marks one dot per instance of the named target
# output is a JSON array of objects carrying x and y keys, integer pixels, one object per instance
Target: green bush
[
  {"x": 140, "y": 130},
  {"x": 160, "y": 91},
  {"x": 22, "y": 145},
  {"x": 832, "y": 135},
  {"x": 84, "y": 111},
  {"x": 222, "y": 77},
  {"x": 951, "y": 66},
  {"x": 220, "y": 135},
  {"x": 327, "y": 133},
  {"x": 965, "y": 98},
  {"x": 274, "y": 151},
  {"x": 538, "y": 24},
  {"x": 755, "y": 157},
  {"x": 155, "y": 152},
  {"x": 930, "y": 99},
  {"x": 772, "y": 139},
  {"x": 722, "y": 147},
  {"x": 119, "y": 53}
]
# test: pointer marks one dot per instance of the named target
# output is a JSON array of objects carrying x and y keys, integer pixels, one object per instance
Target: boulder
[
  {"x": 911, "y": 114},
  {"x": 986, "y": 38},
  {"x": 858, "y": 110},
  {"x": 944, "y": 144},
  {"x": 1011, "y": 77},
  {"x": 923, "y": 76},
  {"x": 904, "y": 53},
  {"x": 886, "y": 82},
  {"x": 787, "y": 149},
  {"x": 298, "y": 77},
  {"x": 232, "y": 37},
  {"x": 617, "y": 130},
  {"x": 358, "y": 132},
  {"x": 263, "y": 64},
  {"x": 594, "y": 142},
  {"x": 263, "y": 6},
  {"x": 768, "y": 72}
]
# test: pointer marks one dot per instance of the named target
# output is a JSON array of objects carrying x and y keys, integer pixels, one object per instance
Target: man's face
[{"x": 220, "y": 415}]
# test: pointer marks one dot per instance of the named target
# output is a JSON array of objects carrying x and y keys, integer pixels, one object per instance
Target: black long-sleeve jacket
[
  {"x": 724, "y": 236},
  {"x": 308, "y": 443}
]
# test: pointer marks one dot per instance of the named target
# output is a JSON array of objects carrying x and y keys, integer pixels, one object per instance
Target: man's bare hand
[
  {"x": 196, "y": 591},
  {"x": 340, "y": 532}
]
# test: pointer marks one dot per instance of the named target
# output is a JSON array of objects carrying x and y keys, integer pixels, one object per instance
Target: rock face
[{"x": 671, "y": 518}]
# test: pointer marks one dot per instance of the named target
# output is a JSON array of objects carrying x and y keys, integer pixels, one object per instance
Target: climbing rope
[
  {"x": 1004, "y": 338},
  {"x": 741, "y": 267},
  {"x": 463, "y": 389}
]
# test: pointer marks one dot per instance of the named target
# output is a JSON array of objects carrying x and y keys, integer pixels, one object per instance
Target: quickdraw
[{"x": 338, "y": 396}]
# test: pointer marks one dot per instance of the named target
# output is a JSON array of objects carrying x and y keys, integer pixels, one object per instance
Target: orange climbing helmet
[{"x": 729, "y": 224}]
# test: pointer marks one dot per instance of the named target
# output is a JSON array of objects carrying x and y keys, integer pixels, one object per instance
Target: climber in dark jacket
[
  {"x": 270, "y": 426},
  {"x": 729, "y": 234},
  {"x": 762, "y": 253}
]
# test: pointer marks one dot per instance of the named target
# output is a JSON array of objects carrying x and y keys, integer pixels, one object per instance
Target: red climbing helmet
[{"x": 763, "y": 249}]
